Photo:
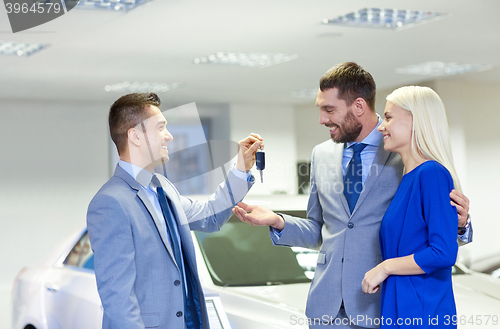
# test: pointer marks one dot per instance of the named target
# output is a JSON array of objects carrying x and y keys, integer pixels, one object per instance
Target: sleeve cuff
[
  {"x": 277, "y": 233},
  {"x": 463, "y": 230},
  {"x": 466, "y": 237},
  {"x": 241, "y": 174}
]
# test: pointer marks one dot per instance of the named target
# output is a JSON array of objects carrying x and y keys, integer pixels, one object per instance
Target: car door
[{"x": 71, "y": 298}]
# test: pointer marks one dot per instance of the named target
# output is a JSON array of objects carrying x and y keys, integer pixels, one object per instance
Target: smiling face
[
  {"x": 396, "y": 129},
  {"x": 155, "y": 137},
  {"x": 337, "y": 116}
]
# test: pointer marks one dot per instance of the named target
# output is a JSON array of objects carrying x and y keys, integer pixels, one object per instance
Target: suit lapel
[
  {"x": 375, "y": 169},
  {"x": 121, "y": 173}
]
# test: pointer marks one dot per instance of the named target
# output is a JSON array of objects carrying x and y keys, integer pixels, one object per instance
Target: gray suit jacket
[
  {"x": 349, "y": 243},
  {"x": 137, "y": 277}
]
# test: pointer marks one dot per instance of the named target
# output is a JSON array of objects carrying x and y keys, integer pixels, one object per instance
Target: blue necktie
[
  {"x": 192, "y": 305},
  {"x": 353, "y": 179}
]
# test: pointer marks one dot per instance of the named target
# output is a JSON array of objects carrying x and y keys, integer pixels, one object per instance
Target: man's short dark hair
[
  {"x": 352, "y": 82},
  {"x": 127, "y": 112}
]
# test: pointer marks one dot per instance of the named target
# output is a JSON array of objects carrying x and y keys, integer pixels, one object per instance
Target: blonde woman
[{"x": 418, "y": 234}]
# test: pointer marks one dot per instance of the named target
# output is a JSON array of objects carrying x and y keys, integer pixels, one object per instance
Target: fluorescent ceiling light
[
  {"x": 379, "y": 18},
  {"x": 306, "y": 93},
  {"x": 118, "y": 5},
  {"x": 243, "y": 59},
  {"x": 142, "y": 87},
  {"x": 20, "y": 48},
  {"x": 441, "y": 69}
]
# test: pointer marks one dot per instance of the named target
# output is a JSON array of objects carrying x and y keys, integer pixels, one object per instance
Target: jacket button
[
  {"x": 350, "y": 225},
  {"x": 179, "y": 314},
  {"x": 177, "y": 283}
]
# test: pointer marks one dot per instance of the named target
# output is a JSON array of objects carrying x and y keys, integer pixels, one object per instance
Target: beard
[{"x": 349, "y": 130}]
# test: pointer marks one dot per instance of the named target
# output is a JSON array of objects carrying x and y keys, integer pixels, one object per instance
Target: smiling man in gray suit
[
  {"x": 346, "y": 204},
  {"x": 139, "y": 225}
]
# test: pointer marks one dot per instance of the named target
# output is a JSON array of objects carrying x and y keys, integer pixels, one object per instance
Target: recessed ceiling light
[
  {"x": 306, "y": 93},
  {"x": 380, "y": 18},
  {"x": 20, "y": 48},
  {"x": 442, "y": 69},
  {"x": 243, "y": 59},
  {"x": 118, "y": 5},
  {"x": 142, "y": 87}
]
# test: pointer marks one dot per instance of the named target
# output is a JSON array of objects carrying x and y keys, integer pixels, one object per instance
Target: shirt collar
[
  {"x": 374, "y": 138},
  {"x": 141, "y": 175}
]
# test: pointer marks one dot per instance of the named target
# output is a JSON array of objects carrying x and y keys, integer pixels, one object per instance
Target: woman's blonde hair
[{"x": 430, "y": 135}]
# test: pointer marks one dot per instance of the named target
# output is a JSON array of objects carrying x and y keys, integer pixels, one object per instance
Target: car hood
[
  {"x": 475, "y": 289},
  {"x": 474, "y": 294},
  {"x": 289, "y": 297},
  {"x": 265, "y": 307}
]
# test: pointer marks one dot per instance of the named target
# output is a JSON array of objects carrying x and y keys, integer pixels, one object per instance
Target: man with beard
[{"x": 353, "y": 180}]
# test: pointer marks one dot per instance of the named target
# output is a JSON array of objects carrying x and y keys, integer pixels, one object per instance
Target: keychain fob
[{"x": 260, "y": 163}]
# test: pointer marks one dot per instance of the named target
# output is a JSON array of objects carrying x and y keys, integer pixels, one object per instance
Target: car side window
[{"x": 81, "y": 255}]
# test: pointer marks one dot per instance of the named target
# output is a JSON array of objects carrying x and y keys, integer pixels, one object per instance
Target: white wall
[
  {"x": 54, "y": 157},
  {"x": 309, "y": 132},
  {"x": 473, "y": 106},
  {"x": 276, "y": 124}
]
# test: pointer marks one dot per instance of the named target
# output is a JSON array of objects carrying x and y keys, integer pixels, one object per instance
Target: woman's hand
[{"x": 373, "y": 278}]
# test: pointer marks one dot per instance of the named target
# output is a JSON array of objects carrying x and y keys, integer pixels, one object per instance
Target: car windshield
[
  {"x": 243, "y": 255},
  {"x": 455, "y": 270}
]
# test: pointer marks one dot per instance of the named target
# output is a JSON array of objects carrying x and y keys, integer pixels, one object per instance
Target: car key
[{"x": 260, "y": 163}]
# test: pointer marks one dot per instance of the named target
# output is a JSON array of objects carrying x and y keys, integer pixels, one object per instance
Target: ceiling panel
[{"x": 158, "y": 41}]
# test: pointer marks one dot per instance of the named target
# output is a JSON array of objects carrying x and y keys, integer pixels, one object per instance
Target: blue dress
[{"x": 421, "y": 221}]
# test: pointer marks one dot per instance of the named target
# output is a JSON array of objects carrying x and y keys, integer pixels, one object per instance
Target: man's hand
[
  {"x": 462, "y": 203},
  {"x": 246, "y": 155},
  {"x": 258, "y": 216}
]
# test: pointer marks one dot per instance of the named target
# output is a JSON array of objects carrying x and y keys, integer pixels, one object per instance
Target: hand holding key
[{"x": 246, "y": 154}]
